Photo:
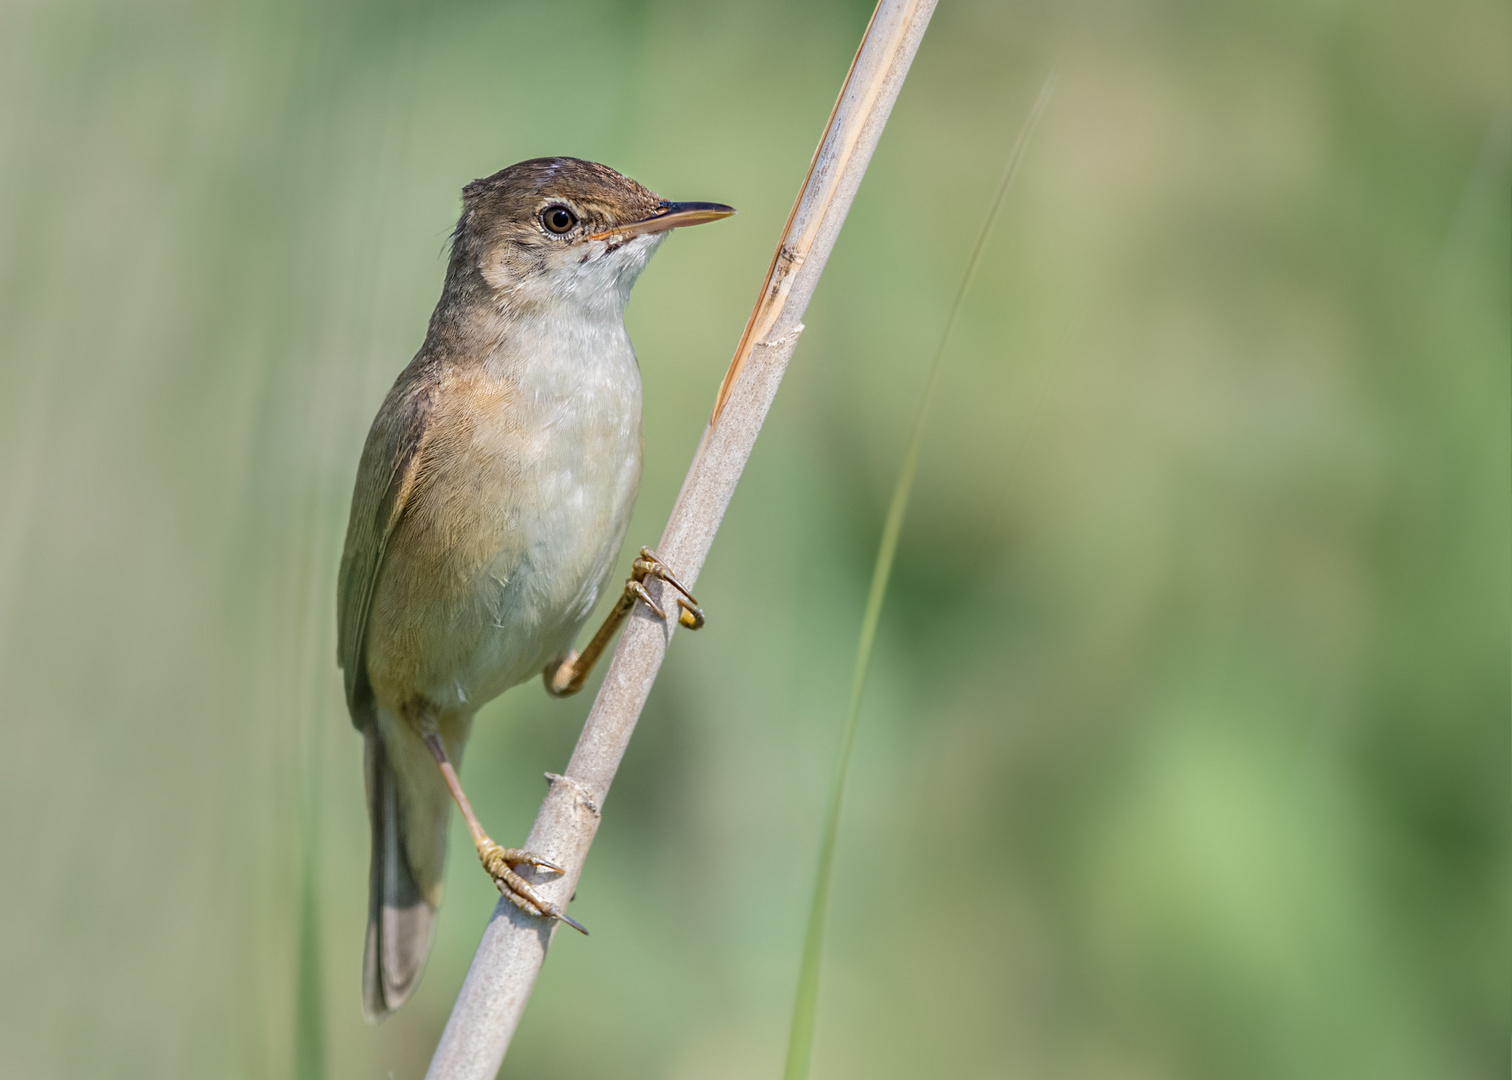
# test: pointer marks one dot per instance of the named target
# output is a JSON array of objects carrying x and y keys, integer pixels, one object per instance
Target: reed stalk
[{"x": 504, "y": 969}]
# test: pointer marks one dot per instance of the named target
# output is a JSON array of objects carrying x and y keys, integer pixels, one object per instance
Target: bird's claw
[
  {"x": 650, "y": 564},
  {"x": 499, "y": 862}
]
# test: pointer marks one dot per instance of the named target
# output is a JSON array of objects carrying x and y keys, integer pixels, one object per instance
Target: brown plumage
[{"x": 491, "y": 501}]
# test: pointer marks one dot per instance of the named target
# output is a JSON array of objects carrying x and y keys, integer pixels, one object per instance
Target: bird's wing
[{"x": 385, "y": 482}]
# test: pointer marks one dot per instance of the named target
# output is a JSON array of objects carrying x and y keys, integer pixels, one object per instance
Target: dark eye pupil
[{"x": 559, "y": 219}]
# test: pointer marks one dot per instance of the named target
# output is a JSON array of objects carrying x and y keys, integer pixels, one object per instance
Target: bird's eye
[{"x": 558, "y": 219}]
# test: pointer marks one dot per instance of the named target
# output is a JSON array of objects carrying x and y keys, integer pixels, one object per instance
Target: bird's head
[{"x": 554, "y": 231}]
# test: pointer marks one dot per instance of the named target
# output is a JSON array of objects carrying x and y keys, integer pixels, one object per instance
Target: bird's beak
[{"x": 669, "y": 215}]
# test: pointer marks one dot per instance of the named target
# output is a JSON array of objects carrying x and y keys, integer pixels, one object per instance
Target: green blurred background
[{"x": 1186, "y": 749}]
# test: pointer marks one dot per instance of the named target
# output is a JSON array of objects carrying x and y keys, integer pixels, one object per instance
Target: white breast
[{"x": 579, "y": 461}]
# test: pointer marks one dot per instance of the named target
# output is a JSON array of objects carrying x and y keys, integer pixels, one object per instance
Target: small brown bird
[{"x": 492, "y": 498}]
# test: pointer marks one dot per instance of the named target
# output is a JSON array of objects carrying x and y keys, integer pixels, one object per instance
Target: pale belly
[
  {"x": 510, "y": 542},
  {"x": 535, "y": 595}
]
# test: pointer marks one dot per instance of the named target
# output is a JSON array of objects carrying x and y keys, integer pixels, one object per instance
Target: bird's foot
[
  {"x": 567, "y": 675},
  {"x": 650, "y": 565},
  {"x": 500, "y": 863}
]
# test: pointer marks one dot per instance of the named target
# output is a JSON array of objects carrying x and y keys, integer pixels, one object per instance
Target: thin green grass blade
[
  {"x": 309, "y": 1015},
  {"x": 806, "y": 1003},
  {"x": 309, "y": 988}
]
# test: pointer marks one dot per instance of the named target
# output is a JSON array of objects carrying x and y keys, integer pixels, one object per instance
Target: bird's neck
[
  {"x": 545, "y": 342},
  {"x": 512, "y": 334}
]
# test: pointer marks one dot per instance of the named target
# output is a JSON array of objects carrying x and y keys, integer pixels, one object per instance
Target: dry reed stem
[{"x": 509, "y": 957}]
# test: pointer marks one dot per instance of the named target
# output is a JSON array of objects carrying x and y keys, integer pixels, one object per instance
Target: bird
[{"x": 492, "y": 497}]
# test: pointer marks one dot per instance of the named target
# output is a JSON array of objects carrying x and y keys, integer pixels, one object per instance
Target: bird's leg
[
  {"x": 498, "y": 861},
  {"x": 568, "y": 676}
]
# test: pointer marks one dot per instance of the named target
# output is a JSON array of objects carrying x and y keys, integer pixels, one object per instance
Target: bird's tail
[{"x": 401, "y": 916}]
